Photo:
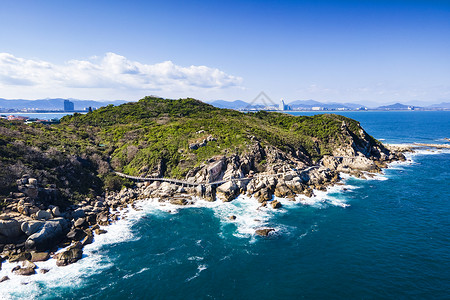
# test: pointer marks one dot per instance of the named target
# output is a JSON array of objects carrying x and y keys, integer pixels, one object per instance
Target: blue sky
[{"x": 348, "y": 51}]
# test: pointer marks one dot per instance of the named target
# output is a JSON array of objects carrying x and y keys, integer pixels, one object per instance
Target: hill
[{"x": 165, "y": 138}]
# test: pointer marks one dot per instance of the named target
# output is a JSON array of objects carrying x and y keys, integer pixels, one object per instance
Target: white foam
[
  {"x": 200, "y": 268},
  {"x": 92, "y": 262}
]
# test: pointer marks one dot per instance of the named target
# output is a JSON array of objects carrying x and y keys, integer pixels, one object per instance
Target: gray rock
[
  {"x": 71, "y": 255},
  {"x": 4, "y": 278},
  {"x": 10, "y": 228},
  {"x": 31, "y": 227},
  {"x": 50, "y": 234},
  {"x": 25, "y": 271},
  {"x": 33, "y": 181},
  {"x": 80, "y": 222},
  {"x": 43, "y": 215},
  {"x": 56, "y": 212},
  {"x": 39, "y": 256}
]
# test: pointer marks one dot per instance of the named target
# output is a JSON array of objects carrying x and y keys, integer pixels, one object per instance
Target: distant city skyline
[{"x": 367, "y": 52}]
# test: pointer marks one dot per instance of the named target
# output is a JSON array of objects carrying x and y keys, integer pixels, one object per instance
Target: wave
[{"x": 94, "y": 260}]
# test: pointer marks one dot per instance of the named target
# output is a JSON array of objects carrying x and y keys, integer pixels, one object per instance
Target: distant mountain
[
  {"x": 237, "y": 104},
  {"x": 308, "y": 104},
  {"x": 53, "y": 104},
  {"x": 445, "y": 105},
  {"x": 396, "y": 106}
]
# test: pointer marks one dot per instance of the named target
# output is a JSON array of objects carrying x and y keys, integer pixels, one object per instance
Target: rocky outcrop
[
  {"x": 50, "y": 234},
  {"x": 69, "y": 256},
  {"x": 264, "y": 231}
]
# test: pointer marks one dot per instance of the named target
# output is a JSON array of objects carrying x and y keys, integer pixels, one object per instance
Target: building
[
  {"x": 284, "y": 106},
  {"x": 68, "y": 105}
]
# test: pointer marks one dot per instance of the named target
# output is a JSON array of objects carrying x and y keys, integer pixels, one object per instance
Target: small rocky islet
[{"x": 38, "y": 216}]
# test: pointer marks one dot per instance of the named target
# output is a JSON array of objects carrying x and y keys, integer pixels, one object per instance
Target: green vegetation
[{"x": 152, "y": 137}]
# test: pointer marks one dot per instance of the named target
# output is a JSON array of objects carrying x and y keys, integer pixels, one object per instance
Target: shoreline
[
  {"x": 121, "y": 203},
  {"x": 134, "y": 208}
]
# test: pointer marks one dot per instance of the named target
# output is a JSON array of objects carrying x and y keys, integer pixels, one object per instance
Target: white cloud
[{"x": 112, "y": 73}]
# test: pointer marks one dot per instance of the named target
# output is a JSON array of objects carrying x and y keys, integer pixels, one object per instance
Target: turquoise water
[{"x": 383, "y": 238}]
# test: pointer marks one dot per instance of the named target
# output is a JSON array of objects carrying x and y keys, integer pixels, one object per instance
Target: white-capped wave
[{"x": 92, "y": 262}]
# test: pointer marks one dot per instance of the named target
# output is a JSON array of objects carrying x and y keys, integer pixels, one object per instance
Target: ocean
[{"x": 387, "y": 237}]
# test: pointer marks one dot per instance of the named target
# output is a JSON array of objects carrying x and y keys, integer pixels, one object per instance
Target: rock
[
  {"x": 43, "y": 271},
  {"x": 39, "y": 256},
  {"x": 50, "y": 234},
  {"x": 88, "y": 239},
  {"x": 28, "y": 264},
  {"x": 79, "y": 213},
  {"x": 71, "y": 255},
  {"x": 80, "y": 222},
  {"x": 4, "y": 278},
  {"x": 10, "y": 228},
  {"x": 31, "y": 191},
  {"x": 275, "y": 204},
  {"x": 33, "y": 181},
  {"x": 20, "y": 257},
  {"x": 264, "y": 231},
  {"x": 227, "y": 191},
  {"x": 76, "y": 234},
  {"x": 25, "y": 271},
  {"x": 15, "y": 268},
  {"x": 102, "y": 219},
  {"x": 282, "y": 191},
  {"x": 43, "y": 215},
  {"x": 232, "y": 217},
  {"x": 100, "y": 231},
  {"x": 31, "y": 227},
  {"x": 178, "y": 201},
  {"x": 56, "y": 212}
]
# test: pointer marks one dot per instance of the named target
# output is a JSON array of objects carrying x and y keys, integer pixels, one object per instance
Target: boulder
[
  {"x": 33, "y": 181},
  {"x": 28, "y": 264},
  {"x": 275, "y": 204},
  {"x": 4, "y": 278},
  {"x": 264, "y": 231},
  {"x": 39, "y": 256},
  {"x": 10, "y": 228},
  {"x": 49, "y": 235},
  {"x": 20, "y": 257},
  {"x": 76, "y": 234},
  {"x": 80, "y": 222},
  {"x": 71, "y": 255},
  {"x": 25, "y": 271},
  {"x": 282, "y": 191},
  {"x": 232, "y": 218},
  {"x": 43, "y": 271},
  {"x": 31, "y": 227},
  {"x": 43, "y": 215},
  {"x": 88, "y": 239},
  {"x": 227, "y": 191},
  {"x": 56, "y": 211},
  {"x": 102, "y": 219},
  {"x": 100, "y": 231}
]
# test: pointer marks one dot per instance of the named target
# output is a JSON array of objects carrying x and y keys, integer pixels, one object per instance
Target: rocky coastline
[{"x": 32, "y": 230}]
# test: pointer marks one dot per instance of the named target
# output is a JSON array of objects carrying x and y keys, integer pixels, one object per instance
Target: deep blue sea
[{"x": 384, "y": 238}]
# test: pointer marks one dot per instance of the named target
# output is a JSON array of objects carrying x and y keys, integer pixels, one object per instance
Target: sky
[{"x": 367, "y": 52}]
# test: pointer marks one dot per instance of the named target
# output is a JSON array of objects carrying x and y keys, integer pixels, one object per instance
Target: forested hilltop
[{"x": 164, "y": 138}]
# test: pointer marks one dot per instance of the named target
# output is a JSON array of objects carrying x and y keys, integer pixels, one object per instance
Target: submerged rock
[{"x": 264, "y": 231}]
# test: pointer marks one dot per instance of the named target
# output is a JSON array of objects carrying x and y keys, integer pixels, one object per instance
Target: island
[{"x": 62, "y": 184}]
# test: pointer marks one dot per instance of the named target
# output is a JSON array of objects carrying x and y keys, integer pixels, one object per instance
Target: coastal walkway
[{"x": 190, "y": 183}]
